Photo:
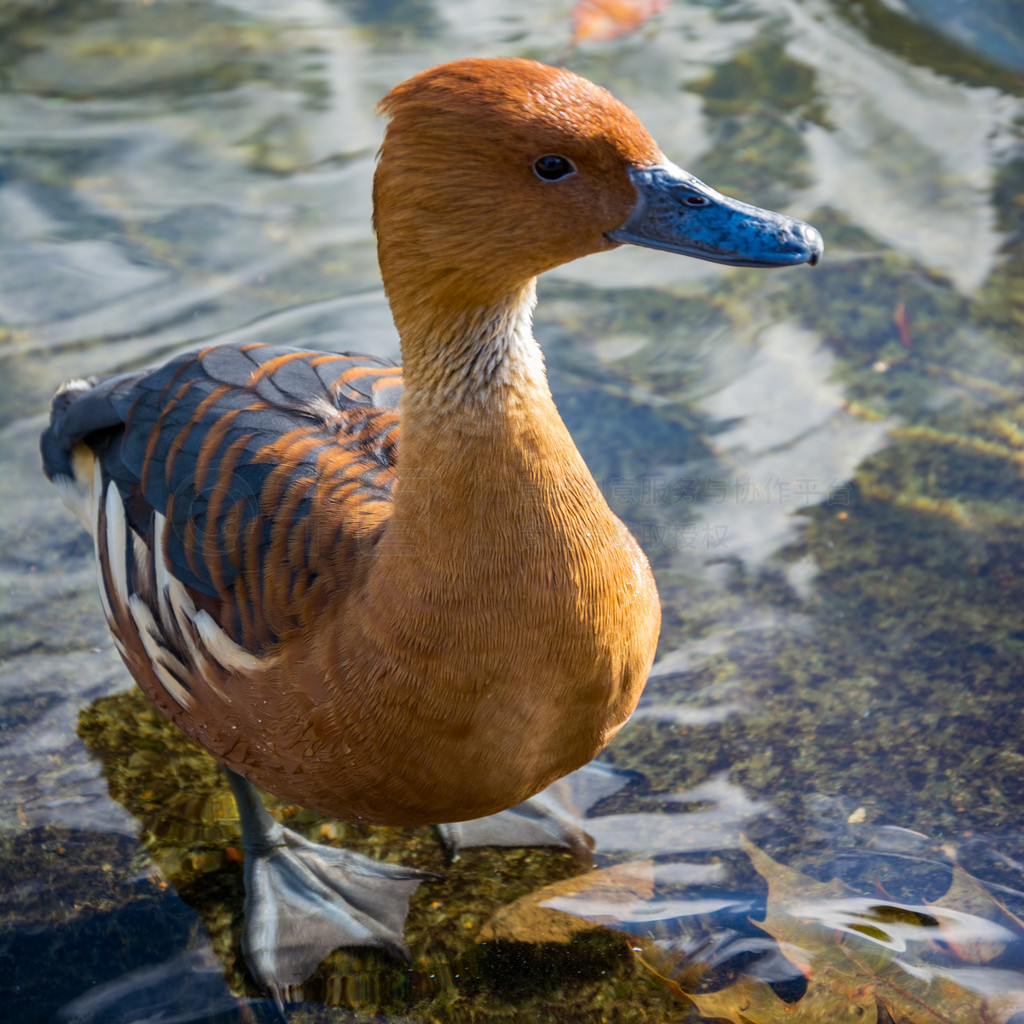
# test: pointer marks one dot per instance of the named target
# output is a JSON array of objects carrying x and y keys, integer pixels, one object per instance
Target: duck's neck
[
  {"x": 472, "y": 366},
  {"x": 484, "y": 454}
]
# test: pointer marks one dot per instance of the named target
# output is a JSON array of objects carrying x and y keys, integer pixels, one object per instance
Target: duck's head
[{"x": 493, "y": 171}]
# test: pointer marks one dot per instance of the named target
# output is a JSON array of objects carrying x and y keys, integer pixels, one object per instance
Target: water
[{"x": 823, "y": 465}]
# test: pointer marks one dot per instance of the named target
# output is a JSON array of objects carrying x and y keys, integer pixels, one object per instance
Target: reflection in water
[
  {"x": 788, "y": 440},
  {"x": 825, "y": 472},
  {"x": 829, "y": 948},
  {"x": 641, "y": 917},
  {"x": 188, "y": 987},
  {"x": 900, "y": 123},
  {"x": 992, "y": 30},
  {"x": 824, "y": 949},
  {"x": 724, "y": 810},
  {"x": 686, "y": 715},
  {"x": 899, "y": 927}
]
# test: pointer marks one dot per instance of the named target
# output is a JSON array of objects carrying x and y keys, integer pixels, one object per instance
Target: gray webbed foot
[
  {"x": 554, "y": 817},
  {"x": 303, "y": 900}
]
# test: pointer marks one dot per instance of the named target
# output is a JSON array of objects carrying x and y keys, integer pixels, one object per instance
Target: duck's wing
[{"x": 226, "y": 486}]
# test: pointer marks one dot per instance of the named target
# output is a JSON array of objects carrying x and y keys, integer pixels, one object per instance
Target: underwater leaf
[
  {"x": 902, "y": 322},
  {"x": 598, "y": 898},
  {"x": 598, "y": 20},
  {"x": 750, "y": 1001},
  {"x": 862, "y": 957},
  {"x": 968, "y": 896}
]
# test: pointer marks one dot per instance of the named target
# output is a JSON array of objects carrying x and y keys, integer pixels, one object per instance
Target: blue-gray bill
[{"x": 678, "y": 212}]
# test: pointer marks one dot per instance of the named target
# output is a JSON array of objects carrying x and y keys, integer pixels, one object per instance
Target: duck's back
[
  {"x": 224, "y": 486},
  {"x": 214, "y": 441}
]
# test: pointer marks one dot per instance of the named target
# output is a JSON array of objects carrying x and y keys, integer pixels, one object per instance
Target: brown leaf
[
  {"x": 902, "y": 322},
  {"x": 753, "y": 1002},
  {"x": 559, "y": 911},
  {"x": 968, "y": 920}
]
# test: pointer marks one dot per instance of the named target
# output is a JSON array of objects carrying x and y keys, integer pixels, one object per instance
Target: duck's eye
[{"x": 552, "y": 167}]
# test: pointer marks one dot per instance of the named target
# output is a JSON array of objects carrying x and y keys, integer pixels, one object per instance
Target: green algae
[
  {"x": 1001, "y": 307},
  {"x": 901, "y": 668},
  {"x": 893, "y": 28},
  {"x": 757, "y": 148}
]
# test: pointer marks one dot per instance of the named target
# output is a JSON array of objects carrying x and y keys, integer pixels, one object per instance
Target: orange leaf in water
[
  {"x": 974, "y": 904},
  {"x": 902, "y": 322},
  {"x": 607, "y": 19},
  {"x": 557, "y": 912}
]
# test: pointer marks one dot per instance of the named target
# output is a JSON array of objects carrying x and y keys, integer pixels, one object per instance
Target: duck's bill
[{"x": 678, "y": 212}]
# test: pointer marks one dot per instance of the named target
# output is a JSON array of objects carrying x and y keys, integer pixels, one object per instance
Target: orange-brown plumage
[
  {"x": 494, "y": 617},
  {"x": 406, "y": 627},
  {"x": 461, "y": 218}
]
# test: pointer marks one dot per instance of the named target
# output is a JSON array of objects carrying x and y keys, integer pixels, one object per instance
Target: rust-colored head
[{"x": 463, "y": 210}]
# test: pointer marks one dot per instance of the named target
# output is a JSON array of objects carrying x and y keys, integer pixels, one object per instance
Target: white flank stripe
[
  {"x": 163, "y": 577},
  {"x": 184, "y": 617},
  {"x": 172, "y": 686},
  {"x": 117, "y": 543},
  {"x": 161, "y": 659},
  {"x": 184, "y": 607},
  {"x": 223, "y": 648},
  {"x": 143, "y": 563}
]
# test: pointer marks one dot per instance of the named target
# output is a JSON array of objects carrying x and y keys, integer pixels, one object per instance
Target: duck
[{"x": 395, "y": 594}]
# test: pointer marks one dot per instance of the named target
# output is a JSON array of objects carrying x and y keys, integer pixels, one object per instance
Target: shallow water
[{"x": 823, "y": 465}]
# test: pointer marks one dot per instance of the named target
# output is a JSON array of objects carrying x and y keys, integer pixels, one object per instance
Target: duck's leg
[
  {"x": 303, "y": 900},
  {"x": 554, "y": 817}
]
